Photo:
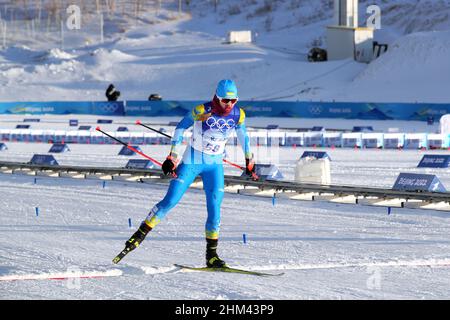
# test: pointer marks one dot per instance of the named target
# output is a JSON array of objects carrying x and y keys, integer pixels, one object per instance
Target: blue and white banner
[
  {"x": 378, "y": 111},
  {"x": 342, "y": 110},
  {"x": 139, "y": 164},
  {"x": 435, "y": 161},
  {"x": 59, "y": 148},
  {"x": 315, "y": 154},
  {"x": 418, "y": 182},
  {"x": 115, "y": 108},
  {"x": 160, "y": 108},
  {"x": 43, "y": 159}
]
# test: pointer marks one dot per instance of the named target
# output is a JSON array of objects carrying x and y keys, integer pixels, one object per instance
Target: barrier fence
[
  {"x": 257, "y": 138},
  {"x": 342, "y": 110}
]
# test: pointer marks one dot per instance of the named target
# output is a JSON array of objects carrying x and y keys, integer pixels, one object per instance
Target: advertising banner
[{"x": 341, "y": 110}]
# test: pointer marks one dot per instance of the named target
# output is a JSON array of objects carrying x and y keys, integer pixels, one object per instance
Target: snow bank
[
  {"x": 416, "y": 68},
  {"x": 420, "y": 56},
  {"x": 60, "y": 54},
  {"x": 184, "y": 57}
]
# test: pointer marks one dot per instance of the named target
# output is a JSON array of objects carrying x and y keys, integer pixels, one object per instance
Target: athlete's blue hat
[{"x": 226, "y": 89}]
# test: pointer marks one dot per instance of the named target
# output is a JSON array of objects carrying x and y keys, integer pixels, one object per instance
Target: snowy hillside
[
  {"x": 181, "y": 54},
  {"x": 415, "y": 69}
]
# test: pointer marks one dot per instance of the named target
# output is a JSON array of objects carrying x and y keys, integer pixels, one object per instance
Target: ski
[
  {"x": 122, "y": 254},
  {"x": 230, "y": 270}
]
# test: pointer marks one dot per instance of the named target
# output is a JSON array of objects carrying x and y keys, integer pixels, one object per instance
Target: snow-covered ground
[{"x": 327, "y": 251}]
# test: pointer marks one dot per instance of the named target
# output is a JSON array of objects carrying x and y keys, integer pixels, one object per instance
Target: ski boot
[
  {"x": 212, "y": 259},
  {"x": 215, "y": 262},
  {"x": 133, "y": 242},
  {"x": 138, "y": 237}
]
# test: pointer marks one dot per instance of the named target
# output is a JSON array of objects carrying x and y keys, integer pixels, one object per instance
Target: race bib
[
  {"x": 209, "y": 143},
  {"x": 209, "y": 139}
]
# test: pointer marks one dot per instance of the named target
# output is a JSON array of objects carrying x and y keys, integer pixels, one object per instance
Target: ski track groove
[{"x": 428, "y": 263}]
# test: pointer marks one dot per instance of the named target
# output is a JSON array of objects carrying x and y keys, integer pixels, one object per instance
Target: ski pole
[
  {"x": 234, "y": 164},
  {"x": 138, "y": 122},
  {"x": 130, "y": 147}
]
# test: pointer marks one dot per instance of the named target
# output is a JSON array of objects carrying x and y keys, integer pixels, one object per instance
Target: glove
[
  {"x": 169, "y": 165},
  {"x": 250, "y": 168}
]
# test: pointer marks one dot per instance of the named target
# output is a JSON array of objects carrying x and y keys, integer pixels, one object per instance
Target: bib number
[
  {"x": 209, "y": 143},
  {"x": 211, "y": 148}
]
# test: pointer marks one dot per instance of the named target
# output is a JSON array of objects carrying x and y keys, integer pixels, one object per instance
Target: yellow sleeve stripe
[
  {"x": 198, "y": 111},
  {"x": 241, "y": 117}
]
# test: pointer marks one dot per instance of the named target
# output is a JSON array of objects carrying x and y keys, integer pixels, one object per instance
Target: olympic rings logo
[
  {"x": 109, "y": 107},
  {"x": 220, "y": 124},
  {"x": 315, "y": 109}
]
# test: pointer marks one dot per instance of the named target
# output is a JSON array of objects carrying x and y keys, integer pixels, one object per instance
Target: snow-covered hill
[
  {"x": 415, "y": 69},
  {"x": 181, "y": 54}
]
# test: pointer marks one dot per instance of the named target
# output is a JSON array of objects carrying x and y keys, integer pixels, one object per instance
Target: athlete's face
[{"x": 227, "y": 104}]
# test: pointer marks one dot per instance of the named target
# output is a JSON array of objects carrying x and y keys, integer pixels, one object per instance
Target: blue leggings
[{"x": 213, "y": 185}]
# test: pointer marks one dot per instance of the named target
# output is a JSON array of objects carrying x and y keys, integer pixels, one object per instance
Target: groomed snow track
[
  {"x": 235, "y": 184},
  {"x": 155, "y": 270}
]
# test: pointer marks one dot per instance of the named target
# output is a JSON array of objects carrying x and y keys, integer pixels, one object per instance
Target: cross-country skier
[{"x": 213, "y": 123}]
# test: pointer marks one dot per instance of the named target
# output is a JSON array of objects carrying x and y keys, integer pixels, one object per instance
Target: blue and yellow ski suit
[{"x": 204, "y": 157}]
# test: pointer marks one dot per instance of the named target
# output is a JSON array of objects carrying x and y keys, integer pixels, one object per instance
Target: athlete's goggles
[{"x": 226, "y": 101}]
